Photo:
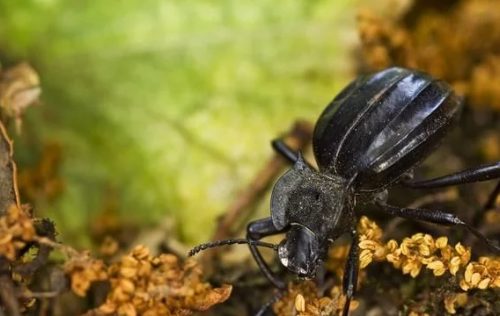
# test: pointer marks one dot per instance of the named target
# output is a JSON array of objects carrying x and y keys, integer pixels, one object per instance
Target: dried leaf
[
  {"x": 214, "y": 296},
  {"x": 19, "y": 88}
]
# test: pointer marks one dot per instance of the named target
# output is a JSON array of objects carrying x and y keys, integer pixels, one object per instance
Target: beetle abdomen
[{"x": 382, "y": 125}]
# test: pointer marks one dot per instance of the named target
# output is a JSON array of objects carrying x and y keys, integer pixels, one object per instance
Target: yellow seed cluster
[
  {"x": 142, "y": 284},
  {"x": 422, "y": 250},
  {"x": 492, "y": 217},
  {"x": 413, "y": 313},
  {"x": 483, "y": 274},
  {"x": 337, "y": 259},
  {"x": 83, "y": 270},
  {"x": 490, "y": 146},
  {"x": 302, "y": 300},
  {"x": 370, "y": 235},
  {"x": 414, "y": 253},
  {"x": 109, "y": 247},
  {"x": 440, "y": 42},
  {"x": 147, "y": 285},
  {"x": 417, "y": 252},
  {"x": 16, "y": 228},
  {"x": 372, "y": 248},
  {"x": 455, "y": 300}
]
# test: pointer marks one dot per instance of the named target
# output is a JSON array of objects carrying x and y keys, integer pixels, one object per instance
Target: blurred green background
[{"x": 169, "y": 105}]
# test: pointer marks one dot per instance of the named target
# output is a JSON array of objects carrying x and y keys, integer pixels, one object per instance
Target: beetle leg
[
  {"x": 490, "y": 204},
  {"x": 350, "y": 280},
  {"x": 481, "y": 173},
  {"x": 257, "y": 230},
  {"x": 276, "y": 297},
  {"x": 492, "y": 198},
  {"x": 289, "y": 154},
  {"x": 320, "y": 277},
  {"x": 283, "y": 149},
  {"x": 436, "y": 217}
]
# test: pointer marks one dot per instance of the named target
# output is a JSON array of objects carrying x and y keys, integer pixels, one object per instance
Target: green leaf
[{"x": 172, "y": 103}]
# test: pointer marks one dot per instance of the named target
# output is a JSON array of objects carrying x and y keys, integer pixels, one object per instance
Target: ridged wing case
[{"x": 382, "y": 125}]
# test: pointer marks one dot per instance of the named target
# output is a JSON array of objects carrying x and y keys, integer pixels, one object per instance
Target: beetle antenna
[{"x": 219, "y": 243}]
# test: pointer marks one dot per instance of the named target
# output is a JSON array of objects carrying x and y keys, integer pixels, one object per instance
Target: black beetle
[{"x": 368, "y": 139}]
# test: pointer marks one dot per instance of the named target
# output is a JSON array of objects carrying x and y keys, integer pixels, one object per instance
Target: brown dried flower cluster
[
  {"x": 83, "y": 270},
  {"x": 421, "y": 250},
  {"x": 483, "y": 274},
  {"x": 16, "y": 229},
  {"x": 147, "y": 285},
  {"x": 411, "y": 255},
  {"x": 142, "y": 284},
  {"x": 109, "y": 247},
  {"x": 492, "y": 217},
  {"x": 460, "y": 45},
  {"x": 413, "y": 313},
  {"x": 490, "y": 146},
  {"x": 337, "y": 259},
  {"x": 302, "y": 300},
  {"x": 451, "y": 302},
  {"x": 371, "y": 247},
  {"x": 414, "y": 253}
]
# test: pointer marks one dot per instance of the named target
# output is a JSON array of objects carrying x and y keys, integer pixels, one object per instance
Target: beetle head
[{"x": 311, "y": 204}]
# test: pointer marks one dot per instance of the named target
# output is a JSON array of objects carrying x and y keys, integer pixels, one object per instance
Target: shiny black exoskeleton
[{"x": 367, "y": 140}]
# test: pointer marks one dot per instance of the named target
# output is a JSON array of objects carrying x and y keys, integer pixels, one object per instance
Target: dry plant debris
[
  {"x": 109, "y": 246},
  {"x": 410, "y": 256},
  {"x": 43, "y": 181},
  {"x": 413, "y": 253},
  {"x": 142, "y": 284},
  {"x": 19, "y": 88},
  {"x": 17, "y": 235},
  {"x": 460, "y": 45},
  {"x": 413, "y": 313},
  {"x": 455, "y": 300},
  {"x": 301, "y": 299},
  {"x": 16, "y": 230},
  {"x": 483, "y": 274},
  {"x": 492, "y": 217},
  {"x": 490, "y": 146},
  {"x": 83, "y": 270}
]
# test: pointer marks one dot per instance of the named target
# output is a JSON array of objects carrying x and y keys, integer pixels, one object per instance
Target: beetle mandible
[{"x": 368, "y": 139}]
